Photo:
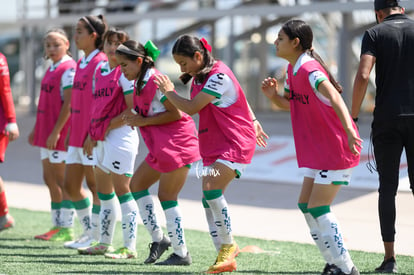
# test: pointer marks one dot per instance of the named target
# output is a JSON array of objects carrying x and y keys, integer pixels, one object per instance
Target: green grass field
[{"x": 20, "y": 253}]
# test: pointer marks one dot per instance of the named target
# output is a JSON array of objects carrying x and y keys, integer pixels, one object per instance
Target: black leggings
[{"x": 389, "y": 140}]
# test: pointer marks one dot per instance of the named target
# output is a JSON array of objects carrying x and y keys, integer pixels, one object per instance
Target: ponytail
[{"x": 316, "y": 56}]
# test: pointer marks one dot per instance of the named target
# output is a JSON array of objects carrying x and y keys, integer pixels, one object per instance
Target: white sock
[
  {"x": 222, "y": 219},
  {"x": 316, "y": 236},
  {"x": 149, "y": 219},
  {"x": 95, "y": 222},
  {"x": 212, "y": 226},
  {"x": 84, "y": 216},
  {"x": 56, "y": 217},
  {"x": 67, "y": 217},
  {"x": 332, "y": 236},
  {"x": 107, "y": 217},
  {"x": 176, "y": 231},
  {"x": 129, "y": 210}
]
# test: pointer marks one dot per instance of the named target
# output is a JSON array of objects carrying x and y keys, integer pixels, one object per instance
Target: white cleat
[{"x": 84, "y": 241}]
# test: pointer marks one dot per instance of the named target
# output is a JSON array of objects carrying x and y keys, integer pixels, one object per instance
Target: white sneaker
[{"x": 84, "y": 241}]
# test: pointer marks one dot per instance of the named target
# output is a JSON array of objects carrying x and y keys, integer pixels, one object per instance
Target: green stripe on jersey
[
  {"x": 67, "y": 87},
  {"x": 319, "y": 81},
  {"x": 210, "y": 92},
  {"x": 128, "y": 92}
]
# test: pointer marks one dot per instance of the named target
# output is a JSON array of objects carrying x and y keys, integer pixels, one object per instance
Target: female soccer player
[
  {"x": 172, "y": 144},
  {"x": 50, "y": 130},
  {"x": 226, "y": 130},
  {"x": 88, "y": 38},
  {"x": 116, "y": 149},
  {"x": 327, "y": 141}
]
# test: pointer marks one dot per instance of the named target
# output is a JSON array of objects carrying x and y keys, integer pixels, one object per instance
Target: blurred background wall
[{"x": 241, "y": 32}]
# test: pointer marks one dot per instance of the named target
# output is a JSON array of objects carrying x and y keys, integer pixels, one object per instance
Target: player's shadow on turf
[
  {"x": 129, "y": 272},
  {"x": 14, "y": 247}
]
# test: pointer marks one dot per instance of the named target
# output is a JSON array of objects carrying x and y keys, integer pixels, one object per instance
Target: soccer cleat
[
  {"x": 157, "y": 249},
  {"x": 46, "y": 236},
  {"x": 225, "y": 261},
  {"x": 337, "y": 271},
  {"x": 327, "y": 269},
  {"x": 84, "y": 241},
  {"x": 228, "y": 266},
  {"x": 96, "y": 249},
  {"x": 6, "y": 222},
  {"x": 65, "y": 234},
  {"x": 174, "y": 259},
  {"x": 121, "y": 253},
  {"x": 236, "y": 250},
  {"x": 388, "y": 266}
]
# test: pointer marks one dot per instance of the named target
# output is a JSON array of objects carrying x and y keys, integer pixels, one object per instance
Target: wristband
[{"x": 355, "y": 119}]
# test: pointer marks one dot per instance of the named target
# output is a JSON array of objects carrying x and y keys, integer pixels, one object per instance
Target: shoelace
[{"x": 224, "y": 254}]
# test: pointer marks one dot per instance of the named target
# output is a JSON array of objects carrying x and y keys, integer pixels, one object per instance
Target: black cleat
[
  {"x": 337, "y": 271},
  {"x": 327, "y": 269},
  {"x": 157, "y": 249},
  {"x": 388, "y": 266},
  {"x": 174, "y": 259}
]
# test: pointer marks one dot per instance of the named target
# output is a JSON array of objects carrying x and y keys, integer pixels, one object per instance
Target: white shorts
[
  {"x": 337, "y": 177},
  {"x": 209, "y": 171},
  {"x": 113, "y": 159},
  {"x": 75, "y": 155},
  {"x": 54, "y": 156}
]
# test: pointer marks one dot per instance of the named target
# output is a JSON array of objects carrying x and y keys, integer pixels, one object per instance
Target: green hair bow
[{"x": 152, "y": 50}]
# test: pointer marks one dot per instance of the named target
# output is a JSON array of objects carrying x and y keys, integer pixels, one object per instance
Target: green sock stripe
[
  {"x": 82, "y": 204},
  {"x": 303, "y": 207},
  {"x": 126, "y": 197},
  {"x": 106, "y": 197},
  {"x": 205, "y": 204},
  {"x": 168, "y": 204},
  {"x": 67, "y": 204},
  {"x": 55, "y": 205},
  {"x": 319, "y": 211},
  {"x": 140, "y": 194},
  {"x": 212, "y": 194},
  {"x": 96, "y": 209}
]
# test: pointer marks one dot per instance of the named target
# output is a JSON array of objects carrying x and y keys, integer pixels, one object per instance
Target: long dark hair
[
  {"x": 187, "y": 45},
  {"x": 295, "y": 28},
  {"x": 137, "y": 50},
  {"x": 98, "y": 25}
]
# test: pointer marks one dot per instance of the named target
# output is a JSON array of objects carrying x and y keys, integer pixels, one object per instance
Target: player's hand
[
  {"x": 261, "y": 136},
  {"x": 12, "y": 131},
  {"x": 164, "y": 83},
  {"x": 134, "y": 119},
  {"x": 88, "y": 146},
  {"x": 52, "y": 141},
  {"x": 269, "y": 87},
  {"x": 354, "y": 143}
]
